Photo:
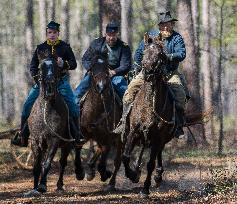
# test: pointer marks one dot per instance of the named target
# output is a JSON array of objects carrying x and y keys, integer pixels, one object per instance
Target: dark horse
[
  {"x": 152, "y": 118},
  {"x": 100, "y": 113},
  {"x": 49, "y": 128}
]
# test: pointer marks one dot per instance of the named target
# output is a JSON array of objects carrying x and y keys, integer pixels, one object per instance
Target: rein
[
  {"x": 104, "y": 105},
  {"x": 48, "y": 126},
  {"x": 154, "y": 99},
  {"x": 107, "y": 113}
]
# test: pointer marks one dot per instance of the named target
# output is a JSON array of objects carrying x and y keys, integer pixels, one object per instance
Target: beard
[{"x": 166, "y": 34}]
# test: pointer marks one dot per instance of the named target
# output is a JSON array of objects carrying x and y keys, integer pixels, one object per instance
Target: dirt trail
[{"x": 184, "y": 180}]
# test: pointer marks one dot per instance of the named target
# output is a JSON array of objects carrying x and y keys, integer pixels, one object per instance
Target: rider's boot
[
  {"x": 75, "y": 131},
  {"x": 21, "y": 137},
  {"x": 122, "y": 123},
  {"x": 180, "y": 123}
]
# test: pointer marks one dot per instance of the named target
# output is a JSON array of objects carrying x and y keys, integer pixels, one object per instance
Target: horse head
[
  {"x": 154, "y": 57},
  {"x": 100, "y": 72},
  {"x": 49, "y": 77}
]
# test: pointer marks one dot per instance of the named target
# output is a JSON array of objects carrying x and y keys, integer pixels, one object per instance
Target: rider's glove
[
  {"x": 60, "y": 62},
  {"x": 169, "y": 57},
  {"x": 36, "y": 79}
]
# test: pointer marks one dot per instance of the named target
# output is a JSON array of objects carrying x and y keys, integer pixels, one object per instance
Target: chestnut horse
[{"x": 100, "y": 113}]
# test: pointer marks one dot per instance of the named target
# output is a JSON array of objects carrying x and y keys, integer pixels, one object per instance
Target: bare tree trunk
[
  {"x": 51, "y": 10},
  {"x": 190, "y": 64},
  {"x": 2, "y": 105},
  {"x": 29, "y": 38},
  {"x": 220, "y": 88},
  {"x": 65, "y": 16},
  {"x": 108, "y": 10},
  {"x": 43, "y": 18},
  {"x": 126, "y": 21},
  {"x": 196, "y": 26},
  {"x": 206, "y": 66},
  {"x": 162, "y": 5}
]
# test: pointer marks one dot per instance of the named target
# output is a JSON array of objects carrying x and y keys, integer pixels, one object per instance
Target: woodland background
[{"x": 209, "y": 29}]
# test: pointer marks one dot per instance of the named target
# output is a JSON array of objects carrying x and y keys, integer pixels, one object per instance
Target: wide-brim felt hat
[{"x": 166, "y": 17}]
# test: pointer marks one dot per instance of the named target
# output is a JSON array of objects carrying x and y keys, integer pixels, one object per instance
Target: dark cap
[
  {"x": 166, "y": 17},
  {"x": 53, "y": 25},
  {"x": 112, "y": 27}
]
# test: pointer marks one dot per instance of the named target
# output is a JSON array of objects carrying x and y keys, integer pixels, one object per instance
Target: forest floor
[{"x": 188, "y": 178}]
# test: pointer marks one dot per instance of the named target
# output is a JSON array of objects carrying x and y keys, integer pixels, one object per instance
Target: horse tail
[{"x": 198, "y": 118}]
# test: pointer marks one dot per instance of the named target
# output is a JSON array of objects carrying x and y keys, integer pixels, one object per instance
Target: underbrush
[{"x": 223, "y": 180}]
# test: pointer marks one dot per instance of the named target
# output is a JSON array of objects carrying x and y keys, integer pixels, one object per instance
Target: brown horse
[
  {"x": 49, "y": 128},
  {"x": 100, "y": 114},
  {"x": 152, "y": 118}
]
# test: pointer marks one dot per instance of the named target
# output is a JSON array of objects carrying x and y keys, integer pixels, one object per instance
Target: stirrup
[
  {"x": 80, "y": 143},
  {"x": 179, "y": 133},
  {"x": 19, "y": 141}
]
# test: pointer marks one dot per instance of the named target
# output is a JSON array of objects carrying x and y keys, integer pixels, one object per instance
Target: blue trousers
[
  {"x": 64, "y": 89},
  {"x": 119, "y": 83}
]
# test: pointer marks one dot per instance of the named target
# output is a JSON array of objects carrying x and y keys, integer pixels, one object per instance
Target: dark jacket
[
  {"x": 174, "y": 45},
  {"x": 62, "y": 50},
  {"x": 123, "y": 55}
]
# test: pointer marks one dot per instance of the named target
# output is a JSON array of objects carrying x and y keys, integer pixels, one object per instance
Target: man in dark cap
[
  {"x": 119, "y": 59},
  {"x": 175, "y": 51},
  {"x": 65, "y": 61}
]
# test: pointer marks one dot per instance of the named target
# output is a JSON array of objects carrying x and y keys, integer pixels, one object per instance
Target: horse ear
[
  {"x": 146, "y": 38},
  {"x": 157, "y": 39}
]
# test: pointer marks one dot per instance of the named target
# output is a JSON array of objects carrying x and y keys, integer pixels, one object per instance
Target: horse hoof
[
  {"x": 60, "y": 189},
  {"x": 90, "y": 177},
  {"x": 109, "y": 188},
  {"x": 158, "y": 180},
  {"x": 80, "y": 176},
  {"x": 106, "y": 175},
  {"x": 32, "y": 193},
  {"x": 134, "y": 176},
  {"x": 42, "y": 188},
  {"x": 144, "y": 194}
]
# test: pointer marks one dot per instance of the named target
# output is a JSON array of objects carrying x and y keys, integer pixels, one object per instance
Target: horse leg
[
  {"x": 63, "y": 163},
  {"x": 129, "y": 146},
  {"x": 46, "y": 166},
  {"x": 138, "y": 165},
  {"x": 37, "y": 167},
  {"x": 117, "y": 164},
  {"x": 159, "y": 169},
  {"x": 104, "y": 174},
  {"x": 91, "y": 165},
  {"x": 150, "y": 168},
  {"x": 79, "y": 170}
]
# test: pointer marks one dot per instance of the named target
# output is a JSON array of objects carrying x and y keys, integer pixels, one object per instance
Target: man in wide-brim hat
[{"x": 175, "y": 51}]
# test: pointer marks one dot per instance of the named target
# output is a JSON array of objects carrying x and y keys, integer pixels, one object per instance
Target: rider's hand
[
  {"x": 111, "y": 72},
  {"x": 60, "y": 62},
  {"x": 169, "y": 57},
  {"x": 36, "y": 79}
]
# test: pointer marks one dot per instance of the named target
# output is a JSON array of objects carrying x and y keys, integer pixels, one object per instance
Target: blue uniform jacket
[
  {"x": 96, "y": 45},
  {"x": 174, "y": 45},
  {"x": 62, "y": 50}
]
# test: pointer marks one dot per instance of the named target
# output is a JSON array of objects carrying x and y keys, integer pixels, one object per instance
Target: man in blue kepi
[
  {"x": 119, "y": 59},
  {"x": 65, "y": 61}
]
